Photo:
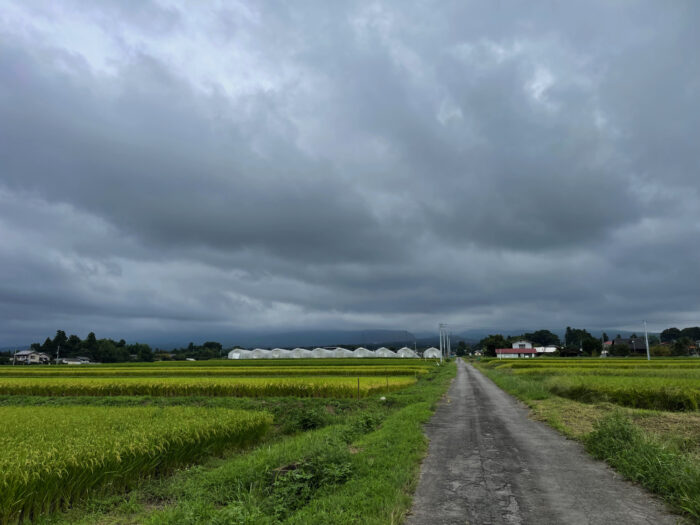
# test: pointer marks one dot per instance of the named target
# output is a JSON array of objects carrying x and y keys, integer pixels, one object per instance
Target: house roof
[{"x": 516, "y": 351}]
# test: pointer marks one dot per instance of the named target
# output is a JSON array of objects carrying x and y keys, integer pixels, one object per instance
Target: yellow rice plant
[{"x": 51, "y": 457}]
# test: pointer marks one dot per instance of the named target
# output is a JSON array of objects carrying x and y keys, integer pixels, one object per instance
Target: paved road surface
[{"x": 489, "y": 464}]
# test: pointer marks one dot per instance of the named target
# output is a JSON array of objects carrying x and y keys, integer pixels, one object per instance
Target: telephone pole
[{"x": 646, "y": 340}]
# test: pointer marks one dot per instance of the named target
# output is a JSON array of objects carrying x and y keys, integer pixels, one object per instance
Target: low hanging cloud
[{"x": 178, "y": 169}]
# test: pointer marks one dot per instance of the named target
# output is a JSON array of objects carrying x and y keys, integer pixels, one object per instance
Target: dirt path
[{"x": 489, "y": 464}]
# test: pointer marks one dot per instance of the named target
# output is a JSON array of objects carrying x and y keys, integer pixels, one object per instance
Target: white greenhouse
[
  {"x": 321, "y": 352},
  {"x": 342, "y": 352},
  {"x": 432, "y": 353},
  {"x": 280, "y": 353},
  {"x": 239, "y": 353},
  {"x": 362, "y": 352},
  {"x": 406, "y": 352},
  {"x": 384, "y": 352},
  {"x": 260, "y": 353},
  {"x": 299, "y": 353}
]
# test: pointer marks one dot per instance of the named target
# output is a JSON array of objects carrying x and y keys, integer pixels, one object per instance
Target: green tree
[
  {"x": 489, "y": 344},
  {"x": 692, "y": 333},
  {"x": 681, "y": 346},
  {"x": 670, "y": 335},
  {"x": 620, "y": 349},
  {"x": 542, "y": 338}
]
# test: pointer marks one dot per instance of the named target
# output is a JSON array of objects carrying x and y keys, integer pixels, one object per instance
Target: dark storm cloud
[{"x": 354, "y": 165}]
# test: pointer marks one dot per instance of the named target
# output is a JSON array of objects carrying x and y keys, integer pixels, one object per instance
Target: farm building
[
  {"x": 406, "y": 352},
  {"x": 431, "y": 353},
  {"x": 74, "y": 361},
  {"x": 384, "y": 352},
  {"x": 509, "y": 353},
  {"x": 522, "y": 344},
  {"x": 31, "y": 357}
]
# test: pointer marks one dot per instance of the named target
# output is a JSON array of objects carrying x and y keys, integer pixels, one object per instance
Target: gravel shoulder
[{"x": 488, "y": 463}]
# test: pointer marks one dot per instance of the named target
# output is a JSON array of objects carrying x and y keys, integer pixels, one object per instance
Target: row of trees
[
  {"x": 111, "y": 351},
  {"x": 579, "y": 342}
]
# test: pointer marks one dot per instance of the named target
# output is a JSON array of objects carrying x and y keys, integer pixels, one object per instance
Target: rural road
[{"x": 488, "y": 463}]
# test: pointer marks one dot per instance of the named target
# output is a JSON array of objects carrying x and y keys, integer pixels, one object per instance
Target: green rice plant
[
  {"x": 340, "y": 387},
  {"x": 51, "y": 457},
  {"x": 670, "y": 373},
  {"x": 656, "y": 393}
]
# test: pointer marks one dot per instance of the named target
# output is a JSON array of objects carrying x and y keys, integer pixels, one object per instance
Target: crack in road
[{"x": 489, "y": 464}]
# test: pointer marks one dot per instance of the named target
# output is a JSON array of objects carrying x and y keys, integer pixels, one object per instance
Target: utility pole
[
  {"x": 444, "y": 341},
  {"x": 58, "y": 353},
  {"x": 646, "y": 340},
  {"x": 14, "y": 357}
]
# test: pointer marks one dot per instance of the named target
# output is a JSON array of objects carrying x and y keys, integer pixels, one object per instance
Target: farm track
[{"x": 488, "y": 463}]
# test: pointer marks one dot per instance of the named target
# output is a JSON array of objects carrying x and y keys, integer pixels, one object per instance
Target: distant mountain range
[{"x": 306, "y": 338}]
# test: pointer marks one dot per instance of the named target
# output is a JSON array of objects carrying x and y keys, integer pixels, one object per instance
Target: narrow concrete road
[{"x": 489, "y": 464}]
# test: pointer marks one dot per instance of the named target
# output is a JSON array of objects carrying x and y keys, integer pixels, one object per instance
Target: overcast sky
[{"x": 187, "y": 168}]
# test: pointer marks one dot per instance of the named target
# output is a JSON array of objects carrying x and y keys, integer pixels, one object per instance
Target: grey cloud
[{"x": 303, "y": 165}]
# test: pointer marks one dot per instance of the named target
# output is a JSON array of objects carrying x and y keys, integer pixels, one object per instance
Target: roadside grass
[
  {"x": 328, "y": 461},
  {"x": 658, "y": 449}
]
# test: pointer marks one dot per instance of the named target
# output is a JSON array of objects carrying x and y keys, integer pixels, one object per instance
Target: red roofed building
[{"x": 503, "y": 353}]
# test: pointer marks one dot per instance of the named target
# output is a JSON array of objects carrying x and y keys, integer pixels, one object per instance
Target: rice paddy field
[
  {"x": 640, "y": 416},
  {"x": 308, "y": 441},
  {"x": 672, "y": 384}
]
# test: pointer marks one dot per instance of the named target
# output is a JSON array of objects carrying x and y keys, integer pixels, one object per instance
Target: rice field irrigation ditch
[
  {"x": 640, "y": 416},
  {"x": 312, "y": 441}
]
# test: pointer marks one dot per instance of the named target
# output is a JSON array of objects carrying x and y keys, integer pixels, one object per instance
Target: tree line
[
  {"x": 580, "y": 342},
  {"x": 110, "y": 351}
]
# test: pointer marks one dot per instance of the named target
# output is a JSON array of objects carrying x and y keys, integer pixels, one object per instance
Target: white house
[
  {"x": 546, "y": 349},
  {"x": 31, "y": 357},
  {"x": 522, "y": 344}
]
